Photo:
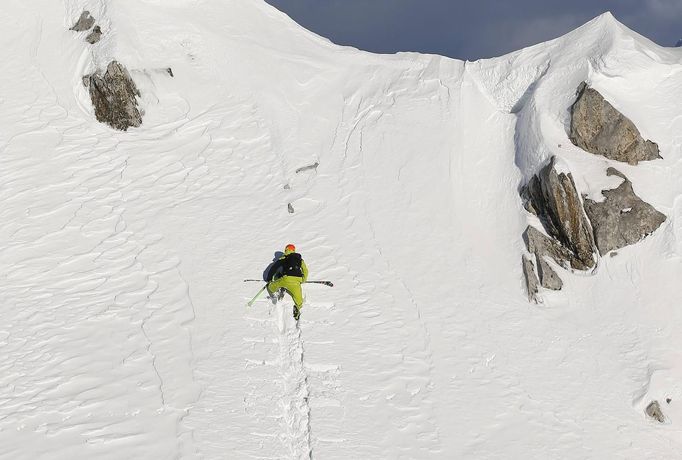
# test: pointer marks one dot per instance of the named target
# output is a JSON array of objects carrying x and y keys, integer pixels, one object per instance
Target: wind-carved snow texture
[
  {"x": 124, "y": 330},
  {"x": 95, "y": 338},
  {"x": 410, "y": 378}
]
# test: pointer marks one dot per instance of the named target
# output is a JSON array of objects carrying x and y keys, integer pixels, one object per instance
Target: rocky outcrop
[
  {"x": 622, "y": 218},
  {"x": 307, "y": 168},
  {"x": 552, "y": 196},
  {"x": 94, "y": 36},
  {"x": 531, "y": 278},
  {"x": 576, "y": 230},
  {"x": 548, "y": 277},
  {"x": 85, "y": 22},
  {"x": 597, "y": 127},
  {"x": 653, "y": 410},
  {"x": 541, "y": 245},
  {"x": 113, "y": 95}
]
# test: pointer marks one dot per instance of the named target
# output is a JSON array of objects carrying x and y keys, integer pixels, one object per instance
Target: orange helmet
[{"x": 289, "y": 248}]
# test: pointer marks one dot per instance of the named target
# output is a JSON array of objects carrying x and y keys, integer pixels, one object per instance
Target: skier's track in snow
[{"x": 294, "y": 400}]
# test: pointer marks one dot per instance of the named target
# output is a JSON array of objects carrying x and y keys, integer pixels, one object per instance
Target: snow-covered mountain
[{"x": 125, "y": 332}]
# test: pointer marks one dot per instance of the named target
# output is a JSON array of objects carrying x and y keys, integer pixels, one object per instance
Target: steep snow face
[{"x": 125, "y": 332}]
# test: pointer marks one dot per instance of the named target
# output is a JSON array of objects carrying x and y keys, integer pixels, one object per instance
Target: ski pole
[
  {"x": 256, "y": 296},
  {"x": 326, "y": 283}
]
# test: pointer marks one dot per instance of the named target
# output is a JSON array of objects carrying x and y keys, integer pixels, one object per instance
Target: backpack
[{"x": 291, "y": 265}]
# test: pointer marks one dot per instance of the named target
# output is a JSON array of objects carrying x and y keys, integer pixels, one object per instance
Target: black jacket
[{"x": 288, "y": 265}]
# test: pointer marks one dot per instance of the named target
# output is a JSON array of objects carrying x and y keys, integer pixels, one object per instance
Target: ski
[{"x": 256, "y": 296}]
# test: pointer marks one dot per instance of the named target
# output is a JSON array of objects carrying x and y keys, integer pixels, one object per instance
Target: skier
[{"x": 287, "y": 274}]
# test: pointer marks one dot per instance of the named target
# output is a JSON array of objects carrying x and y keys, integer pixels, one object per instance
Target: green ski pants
[{"x": 291, "y": 284}]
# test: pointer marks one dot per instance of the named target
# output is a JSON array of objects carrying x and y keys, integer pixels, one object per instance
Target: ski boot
[{"x": 297, "y": 313}]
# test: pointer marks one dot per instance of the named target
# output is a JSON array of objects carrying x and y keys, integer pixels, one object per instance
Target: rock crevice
[
  {"x": 553, "y": 197},
  {"x": 531, "y": 278}
]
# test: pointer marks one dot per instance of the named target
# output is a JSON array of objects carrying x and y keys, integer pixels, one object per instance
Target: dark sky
[{"x": 472, "y": 29}]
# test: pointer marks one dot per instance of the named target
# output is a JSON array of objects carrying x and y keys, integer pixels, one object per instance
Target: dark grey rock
[
  {"x": 170, "y": 71},
  {"x": 113, "y": 95},
  {"x": 94, "y": 36},
  {"x": 527, "y": 200},
  {"x": 290, "y": 208},
  {"x": 555, "y": 200},
  {"x": 622, "y": 218},
  {"x": 548, "y": 277},
  {"x": 597, "y": 127},
  {"x": 654, "y": 411},
  {"x": 85, "y": 22},
  {"x": 541, "y": 245},
  {"x": 306, "y": 168},
  {"x": 531, "y": 278}
]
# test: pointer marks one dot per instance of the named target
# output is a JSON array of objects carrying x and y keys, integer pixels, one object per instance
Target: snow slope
[{"x": 125, "y": 332}]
